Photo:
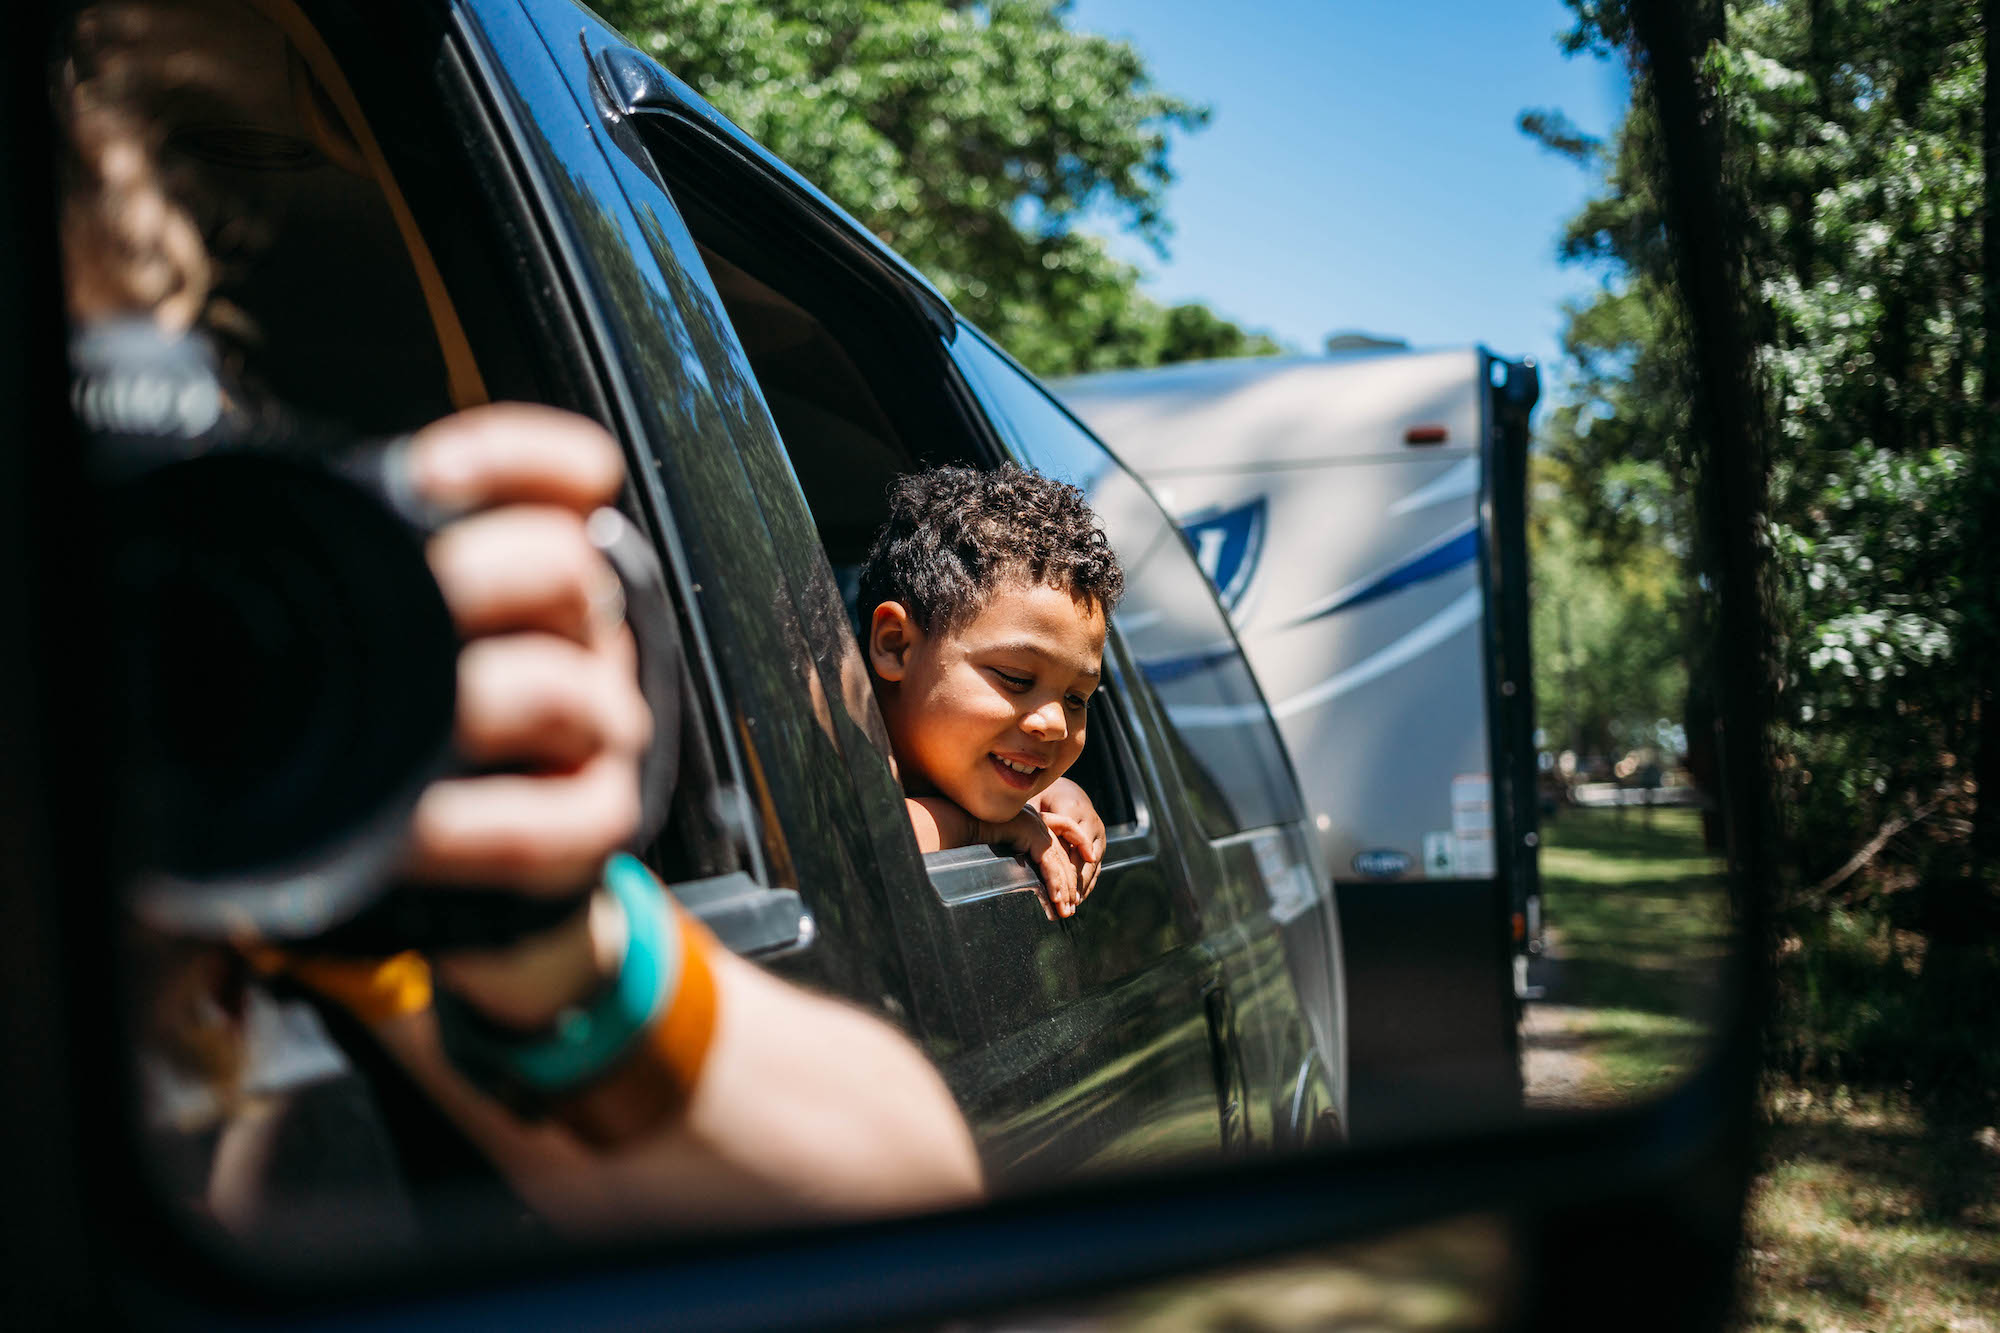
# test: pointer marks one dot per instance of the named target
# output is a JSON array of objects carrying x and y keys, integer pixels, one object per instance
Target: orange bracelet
[{"x": 658, "y": 1076}]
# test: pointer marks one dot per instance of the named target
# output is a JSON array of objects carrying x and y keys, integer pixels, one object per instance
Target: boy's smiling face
[{"x": 990, "y": 714}]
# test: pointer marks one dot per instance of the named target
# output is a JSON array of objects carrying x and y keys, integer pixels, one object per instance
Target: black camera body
[{"x": 288, "y": 667}]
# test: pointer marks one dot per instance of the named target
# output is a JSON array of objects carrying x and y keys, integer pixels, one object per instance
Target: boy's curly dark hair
[{"x": 955, "y": 532}]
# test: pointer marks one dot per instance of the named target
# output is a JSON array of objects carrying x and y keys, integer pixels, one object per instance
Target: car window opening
[
  {"x": 361, "y": 271},
  {"x": 834, "y": 361}
]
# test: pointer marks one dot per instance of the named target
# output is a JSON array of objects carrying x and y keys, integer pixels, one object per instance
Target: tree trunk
[
  {"x": 1706, "y": 220},
  {"x": 1958, "y": 1078},
  {"x": 1707, "y": 224},
  {"x": 1981, "y": 603}
]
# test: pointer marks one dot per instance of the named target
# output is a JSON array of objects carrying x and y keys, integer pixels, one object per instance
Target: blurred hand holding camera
[{"x": 547, "y": 695}]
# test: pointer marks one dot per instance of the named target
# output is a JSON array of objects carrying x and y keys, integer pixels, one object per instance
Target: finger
[
  {"x": 515, "y": 453},
  {"x": 1058, "y": 823},
  {"x": 1092, "y": 830},
  {"x": 1051, "y": 882},
  {"x": 537, "y": 699},
  {"x": 538, "y": 834},
  {"x": 524, "y": 568},
  {"x": 1086, "y": 875},
  {"x": 1055, "y": 821},
  {"x": 1060, "y": 876},
  {"x": 1073, "y": 833}
]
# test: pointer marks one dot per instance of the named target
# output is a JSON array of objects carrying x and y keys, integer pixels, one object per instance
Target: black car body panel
[{"x": 1160, "y": 1023}]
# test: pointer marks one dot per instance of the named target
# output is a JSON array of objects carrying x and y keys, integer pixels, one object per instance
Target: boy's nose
[{"x": 1047, "y": 722}]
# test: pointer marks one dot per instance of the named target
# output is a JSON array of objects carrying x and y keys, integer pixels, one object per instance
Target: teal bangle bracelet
[{"x": 586, "y": 1042}]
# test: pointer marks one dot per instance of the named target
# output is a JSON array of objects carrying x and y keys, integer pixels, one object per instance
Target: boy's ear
[{"x": 892, "y": 633}]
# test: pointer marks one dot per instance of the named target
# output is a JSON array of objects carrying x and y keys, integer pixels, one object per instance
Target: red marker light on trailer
[
  {"x": 1520, "y": 927},
  {"x": 1426, "y": 435}
]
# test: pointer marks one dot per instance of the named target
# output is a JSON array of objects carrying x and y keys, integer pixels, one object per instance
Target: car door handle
[
  {"x": 1231, "y": 1080},
  {"x": 748, "y": 917}
]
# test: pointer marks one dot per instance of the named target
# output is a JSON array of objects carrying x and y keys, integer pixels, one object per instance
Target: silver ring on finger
[{"x": 607, "y": 604}]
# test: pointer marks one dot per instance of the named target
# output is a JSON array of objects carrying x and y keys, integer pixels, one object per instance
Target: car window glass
[
  {"x": 370, "y": 287},
  {"x": 1184, "y": 649},
  {"x": 857, "y": 391}
]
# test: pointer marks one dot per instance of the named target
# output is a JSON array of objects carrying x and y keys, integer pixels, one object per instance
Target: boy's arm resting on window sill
[{"x": 940, "y": 825}]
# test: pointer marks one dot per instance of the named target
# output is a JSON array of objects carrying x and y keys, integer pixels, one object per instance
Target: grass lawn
[{"x": 1836, "y": 1237}]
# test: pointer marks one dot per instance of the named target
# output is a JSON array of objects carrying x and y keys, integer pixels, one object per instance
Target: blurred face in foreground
[{"x": 989, "y": 714}]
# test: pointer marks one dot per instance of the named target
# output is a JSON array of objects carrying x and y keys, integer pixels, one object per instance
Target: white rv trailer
[{"x": 1361, "y": 516}]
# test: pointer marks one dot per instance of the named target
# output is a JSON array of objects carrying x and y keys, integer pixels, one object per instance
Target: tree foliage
[
  {"x": 974, "y": 138},
  {"x": 1852, "y": 133},
  {"x": 1610, "y": 520},
  {"x": 1609, "y": 632}
]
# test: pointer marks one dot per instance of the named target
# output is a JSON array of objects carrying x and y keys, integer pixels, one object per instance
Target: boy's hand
[
  {"x": 1067, "y": 811},
  {"x": 1053, "y": 861}
]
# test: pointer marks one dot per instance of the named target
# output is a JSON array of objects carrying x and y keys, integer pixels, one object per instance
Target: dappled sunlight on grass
[{"x": 1838, "y": 1237}]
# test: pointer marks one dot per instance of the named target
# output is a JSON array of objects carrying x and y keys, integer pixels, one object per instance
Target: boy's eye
[
  {"x": 1079, "y": 701},
  {"x": 1013, "y": 681}
]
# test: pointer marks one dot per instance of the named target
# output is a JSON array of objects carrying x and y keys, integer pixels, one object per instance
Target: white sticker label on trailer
[
  {"x": 1472, "y": 823},
  {"x": 1440, "y": 855},
  {"x": 1475, "y": 855},
  {"x": 1472, "y": 803}
]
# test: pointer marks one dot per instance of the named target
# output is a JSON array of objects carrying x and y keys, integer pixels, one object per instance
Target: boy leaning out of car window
[{"x": 984, "y": 601}]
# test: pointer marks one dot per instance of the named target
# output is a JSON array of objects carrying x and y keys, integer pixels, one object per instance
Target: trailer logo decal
[{"x": 1227, "y": 545}]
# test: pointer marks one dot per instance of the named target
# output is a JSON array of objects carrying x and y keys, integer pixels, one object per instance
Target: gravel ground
[{"x": 1555, "y": 1074}]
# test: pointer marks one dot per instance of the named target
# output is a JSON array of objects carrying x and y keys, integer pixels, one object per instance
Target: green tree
[
  {"x": 974, "y": 138},
  {"x": 1193, "y": 332},
  {"x": 1609, "y": 632}
]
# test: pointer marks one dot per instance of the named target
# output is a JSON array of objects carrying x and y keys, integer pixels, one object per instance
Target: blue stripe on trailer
[{"x": 1459, "y": 551}]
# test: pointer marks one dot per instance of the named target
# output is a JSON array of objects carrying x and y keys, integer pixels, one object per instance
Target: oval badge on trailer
[{"x": 1381, "y": 863}]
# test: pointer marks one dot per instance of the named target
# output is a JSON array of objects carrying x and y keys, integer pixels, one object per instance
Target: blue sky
[{"x": 1362, "y": 169}]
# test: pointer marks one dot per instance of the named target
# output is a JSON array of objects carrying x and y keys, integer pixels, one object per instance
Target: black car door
[
  {"x": 1263, "y": 913},
  {"x": 1104, "y": 1035},
  {"x": 1069, "y": 1044},
  {"x": 625, "y": 293}
]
